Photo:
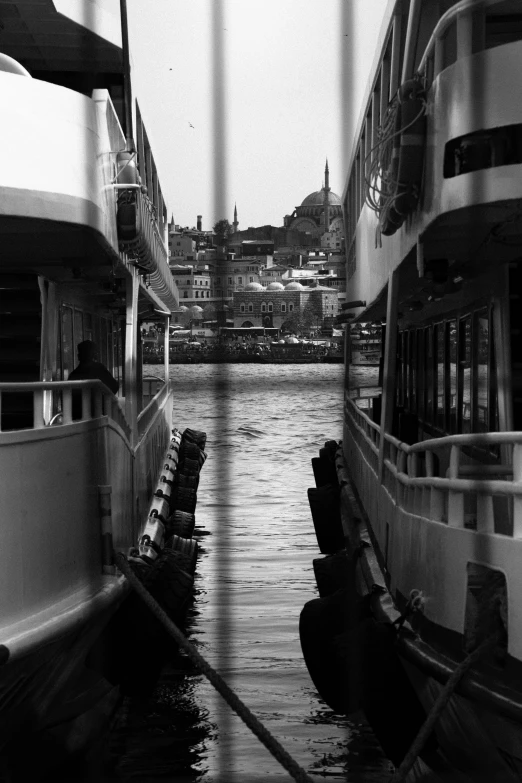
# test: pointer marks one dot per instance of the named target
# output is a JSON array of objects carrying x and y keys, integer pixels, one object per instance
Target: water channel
[{"x": 264, "y": 423}]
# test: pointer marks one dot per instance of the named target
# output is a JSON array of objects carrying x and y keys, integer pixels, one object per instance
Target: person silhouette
[{"x": 89, "y": 368}]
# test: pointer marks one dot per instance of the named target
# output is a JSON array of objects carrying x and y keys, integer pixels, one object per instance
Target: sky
[{"x": 294, "y": 75}]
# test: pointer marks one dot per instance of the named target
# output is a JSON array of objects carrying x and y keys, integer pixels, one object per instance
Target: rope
[
  {"x": 261, "y": 732},
  {"x": 439, "y": 705},
  {"x": 388, "y": 185}
]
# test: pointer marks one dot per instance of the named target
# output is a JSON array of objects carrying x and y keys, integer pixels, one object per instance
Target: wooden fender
[
  {"x": 326, "y": 515},
  {"x": 412, "y": 143},
  {"x": 331, "y": 648}
]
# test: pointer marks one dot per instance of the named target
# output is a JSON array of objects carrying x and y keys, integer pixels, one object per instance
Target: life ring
[{"x": 412, "y": 143}]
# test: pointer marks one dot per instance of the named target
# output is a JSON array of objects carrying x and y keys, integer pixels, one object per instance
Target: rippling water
[{"x": 264, "y": 423}]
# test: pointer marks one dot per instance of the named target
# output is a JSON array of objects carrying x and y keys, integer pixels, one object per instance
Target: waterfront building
[
  {"x": 193, "y": 284},
  {"x": 272, "y": 306}
]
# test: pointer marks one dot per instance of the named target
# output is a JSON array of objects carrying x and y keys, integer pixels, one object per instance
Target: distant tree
[
  {"x": 222, "y": 230},
  {"x": 294, "y": 322},
  {"x": 312, "y": 314}
]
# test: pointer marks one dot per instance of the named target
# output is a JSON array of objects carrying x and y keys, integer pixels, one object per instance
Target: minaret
[
  {"x": 326, "y": 200},
  {"x": 235, "y": 224}
]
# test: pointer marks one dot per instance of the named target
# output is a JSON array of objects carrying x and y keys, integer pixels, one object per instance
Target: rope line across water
[{"x": 261, "y": 732}]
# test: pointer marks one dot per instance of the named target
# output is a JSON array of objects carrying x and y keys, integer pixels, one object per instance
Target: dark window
[
  {"x": 452, "y": 386},
  {"x": 441, "y": 375},
  {"x": 481, "y": 387}
]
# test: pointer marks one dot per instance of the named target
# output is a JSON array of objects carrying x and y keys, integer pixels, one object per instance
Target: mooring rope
[
  {"x": 261, "y": 732},
  {"x": 438, "y": 706}
]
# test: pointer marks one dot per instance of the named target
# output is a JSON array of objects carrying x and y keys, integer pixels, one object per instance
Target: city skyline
[{"x": 282, "y": 106}]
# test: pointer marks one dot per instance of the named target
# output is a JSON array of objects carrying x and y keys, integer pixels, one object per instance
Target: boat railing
[
  {"x": 467, "y": 18},
  {"x": 52, "y": 402},
  {"x": 486, "y": 497},
  {"x": 154, "y": 392},
  {"x": 150, "y": 388}
]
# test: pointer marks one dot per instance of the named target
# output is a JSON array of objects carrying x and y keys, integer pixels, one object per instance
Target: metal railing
[
  {"x": 461, "y": 16},
  {"x": 153, "y": 397},
  {"x": 463, "y": 496},
  {"x": 52, "y": 402}
]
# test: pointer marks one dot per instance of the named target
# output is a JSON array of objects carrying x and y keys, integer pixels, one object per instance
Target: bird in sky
[{"x": 191, "y": 125}]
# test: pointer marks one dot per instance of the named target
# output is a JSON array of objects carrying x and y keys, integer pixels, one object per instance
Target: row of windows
[
  {"x": 266, "y": 307},
  {"x": 196, "y": 295},
  {"x": 445, "y": 374}
]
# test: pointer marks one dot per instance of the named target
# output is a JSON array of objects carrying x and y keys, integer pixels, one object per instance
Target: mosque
[
  {"x": 320, "y": 213},
  {"x": 317, "y": 222}
]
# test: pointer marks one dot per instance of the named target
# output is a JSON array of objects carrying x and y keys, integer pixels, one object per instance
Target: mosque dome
[
  {"x": 316, "y": 199},
  {"x": 254, "y": 287},
  {"x": 182, "y": 309},
  {"x": 320, "y": 212},
  {"x": 295, "y": 286},
  {"x": 275, "y": 286},
  {"x": 196, "y": 310}
]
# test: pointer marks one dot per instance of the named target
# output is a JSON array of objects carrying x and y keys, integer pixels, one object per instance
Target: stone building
[{"x": 272, "y": 305}]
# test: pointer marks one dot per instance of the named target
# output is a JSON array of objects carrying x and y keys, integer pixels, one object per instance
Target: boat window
[
  {"x": 503, "y": 29},
  {"x": 464, "y": 379},
  {"x": 78, "y": 327},
  {"x": 449, "y": 45},
  {"x": 400, "y": 369},
  {"x": 441, "y": 376},
  {"x": 87, "y": 326},
  {"x": 412, "y": 375},
  {"x": 452, "y": 353},
  {"x": 481, "y": 387},
  {"x": 102, "y": 347},
  {"x": 420, "y": 371},
  {"x": 67, "y": 342},
  {"x": 405, "y": 371},
  {"x": 430, "y": 378}
]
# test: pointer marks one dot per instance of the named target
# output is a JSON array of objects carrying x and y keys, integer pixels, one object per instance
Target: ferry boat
[
  {"x": 366, "y": 345},
  {"x": 83, "y": 257},
  {"x": 433, "y": 216}
]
